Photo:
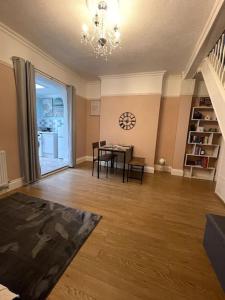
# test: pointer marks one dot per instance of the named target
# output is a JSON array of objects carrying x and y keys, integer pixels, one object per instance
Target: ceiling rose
[{"x": 103, "y": 36}]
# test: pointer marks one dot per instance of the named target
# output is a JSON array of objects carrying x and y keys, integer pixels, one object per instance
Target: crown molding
[
  {"x": 129, "y": 94},
  {"x": 132, "y": 84},
  {"x": 10, "y": 32},
  {"x": 212, "y": 17},
  {"x": 2, "y": 62},
  {"x": 132, "y": 75}
]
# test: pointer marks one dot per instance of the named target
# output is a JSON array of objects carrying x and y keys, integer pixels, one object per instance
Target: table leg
[
  {"x": 124, "y": 164},
  {"x": 112, "y": 161},
  {"x": 98, "y": 162}
]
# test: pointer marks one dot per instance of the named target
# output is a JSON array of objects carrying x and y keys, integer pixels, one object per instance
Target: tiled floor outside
[{"x": 51, "y": 164}]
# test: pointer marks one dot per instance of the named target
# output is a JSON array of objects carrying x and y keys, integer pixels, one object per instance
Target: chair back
[
  {"x": 102, "y": 143},
  {"x": 94, "y": 146}
]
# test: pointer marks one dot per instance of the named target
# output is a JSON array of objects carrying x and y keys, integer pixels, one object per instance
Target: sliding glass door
[{"x": 52, "y": 123}]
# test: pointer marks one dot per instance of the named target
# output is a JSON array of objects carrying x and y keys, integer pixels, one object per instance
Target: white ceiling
[{"x": 156, "y": 34}]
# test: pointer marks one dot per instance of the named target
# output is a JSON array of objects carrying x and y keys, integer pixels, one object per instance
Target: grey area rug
[{"x": 38, "y": 240}]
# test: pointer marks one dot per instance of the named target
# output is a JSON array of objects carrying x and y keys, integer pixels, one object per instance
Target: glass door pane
[{"x": 52, "y": 123}]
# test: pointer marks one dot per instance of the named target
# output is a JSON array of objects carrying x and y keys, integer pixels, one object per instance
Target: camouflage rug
[{"x": 38, "y": 240}]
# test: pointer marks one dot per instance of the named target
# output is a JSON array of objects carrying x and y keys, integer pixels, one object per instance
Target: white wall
[
  {"x": 93, "y": 90},
  {"x": 220, "y": 184},
  {"x": 201, "y": 90},
  {"x": 171, "y": 85},
  {"x": 12, "y": 44},
  {"x": 132, "y": 84},
  {"x": 217, "y": 94},
  {"x": 176, "y": 86}
]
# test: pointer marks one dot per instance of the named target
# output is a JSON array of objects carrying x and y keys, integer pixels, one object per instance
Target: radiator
[{"x": 3, "y": 170}]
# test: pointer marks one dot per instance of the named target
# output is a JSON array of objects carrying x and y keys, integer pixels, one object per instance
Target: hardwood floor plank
[{"x": 148, "y": 244}]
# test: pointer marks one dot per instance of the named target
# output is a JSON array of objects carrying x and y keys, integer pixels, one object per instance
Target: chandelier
[{"x": 104, "y": 34}]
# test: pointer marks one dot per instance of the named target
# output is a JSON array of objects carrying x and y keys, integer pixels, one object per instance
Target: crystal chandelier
[{"x": 104, "y": 36}]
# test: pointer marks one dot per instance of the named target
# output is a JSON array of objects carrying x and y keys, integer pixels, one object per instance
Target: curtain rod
[{"x": 50, "y": 77}]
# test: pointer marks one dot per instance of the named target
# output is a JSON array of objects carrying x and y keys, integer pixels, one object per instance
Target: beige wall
[
  {"x": 93, "y": 130},
  {"x": 8, "y": 121},
  {"x": 170, "y": 136},
  {"x": 167, "y": 129},
  {"x": 172, "y": 133},
  {"x": 81, "y": 126},
  {"x": 87, "y": 127},
  {"x": 143, "y": 135},
  {"x": 181, "y": 131},
  {"x": 12, "y": 44}
]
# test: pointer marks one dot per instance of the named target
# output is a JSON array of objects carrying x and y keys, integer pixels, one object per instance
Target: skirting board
[
  {"x": 177, "y": 172},
  {"x": 80, "y": 160},
  {"x": 169, "y": 169},
  {"x": 222, "y": 197},
  {"x": 163, "y": 168},
  {"x": 147, "y": 169},
  {"x": 220, "y": 188},
  {"x": 14, "y": 184}
]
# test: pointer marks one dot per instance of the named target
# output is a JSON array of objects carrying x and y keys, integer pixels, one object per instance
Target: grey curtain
[
  {"x": 27, "y": 125},
  {"x": 71, "y": 96}
]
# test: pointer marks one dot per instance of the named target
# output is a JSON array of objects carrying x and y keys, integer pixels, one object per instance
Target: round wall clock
[{"x": 127, "y": 121}]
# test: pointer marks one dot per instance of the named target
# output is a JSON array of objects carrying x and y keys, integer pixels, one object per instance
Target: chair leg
[
  {"x": 107, "y": 169},
  {"x": 128, "y": 169},
  {"x": 93, "y": 166},
  {"x": 142, "y": 173}
]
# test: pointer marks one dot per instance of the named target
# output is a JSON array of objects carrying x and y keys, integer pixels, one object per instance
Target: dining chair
[
  {"x": 105, "y": 158},
  {"x": 114, "y": 157},
  {"x": 136, "y": 168}
]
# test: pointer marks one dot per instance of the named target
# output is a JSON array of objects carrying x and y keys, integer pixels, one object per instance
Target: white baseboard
[
  {"x": 220, "y": 187},
  {"x": 89, "y": 158},
  {"x": 177, "y": 172},
  {"x": 13, "y": 184},
  {"x": 222, "y": 197},
  {"x": 149, "y": 169},
  {"x": 83, "y": 159},
  {"x": 163, "y": 168},
  {"x": 169, "y": 169},
  {"x": 80, "y": 160}
]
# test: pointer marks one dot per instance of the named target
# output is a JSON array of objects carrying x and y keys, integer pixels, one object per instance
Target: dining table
[{"x": 124, "y": 151}]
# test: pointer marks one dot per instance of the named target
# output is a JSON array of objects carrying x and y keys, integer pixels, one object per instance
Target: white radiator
[{"x": 3, "y": 170}]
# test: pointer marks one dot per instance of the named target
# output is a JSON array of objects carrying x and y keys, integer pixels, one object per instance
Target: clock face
[{"x": 127, "y": 121}]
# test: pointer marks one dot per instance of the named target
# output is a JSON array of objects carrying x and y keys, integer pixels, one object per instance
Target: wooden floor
[{"x": 148, "y": 244}]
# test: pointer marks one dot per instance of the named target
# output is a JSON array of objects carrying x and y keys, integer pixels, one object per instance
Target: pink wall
[
  {"x": 172, "y": 132},
  {"x": 93, "y": 130},
  {"x": 8, "y": 121},
  {"x": 143, "y": 135},
  {"x": 167, "y": 129},
  {"x": 181, "y": 131},
  {"x": 81, "y": 126},
  {"x": 88, "y": 128}
]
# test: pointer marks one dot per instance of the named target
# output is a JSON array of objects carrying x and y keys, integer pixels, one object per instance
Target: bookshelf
[{"x": 203, "y": 142}]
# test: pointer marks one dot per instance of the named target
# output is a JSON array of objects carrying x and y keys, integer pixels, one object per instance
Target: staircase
[{"x": 213, "y": 71}]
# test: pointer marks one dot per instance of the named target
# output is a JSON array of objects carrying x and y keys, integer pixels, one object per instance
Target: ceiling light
[
  {"x": 38, "y": 86},
  {"x": 103, "y": 35}
]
